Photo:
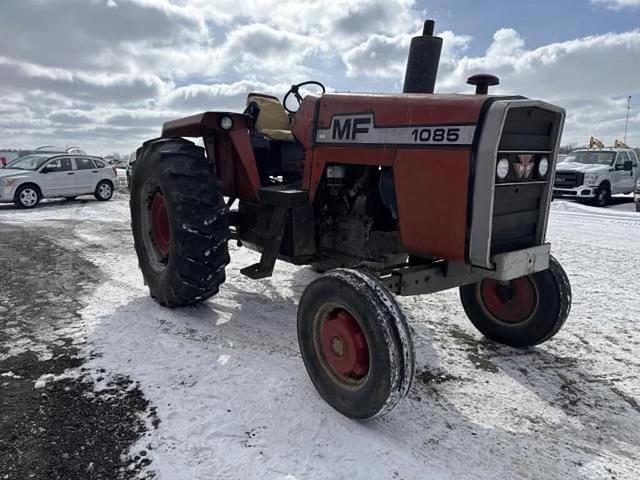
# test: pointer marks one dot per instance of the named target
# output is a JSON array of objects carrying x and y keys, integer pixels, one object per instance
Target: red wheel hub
[
  {"x": 510, "y": 302},
  {"x": 160, "y": 232},
  {"x": 344, "y": 345}
]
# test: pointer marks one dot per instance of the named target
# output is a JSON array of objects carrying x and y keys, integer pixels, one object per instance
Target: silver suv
[
  {"x": 28, "y": 179},
  {"x": 596, "y": 174}
]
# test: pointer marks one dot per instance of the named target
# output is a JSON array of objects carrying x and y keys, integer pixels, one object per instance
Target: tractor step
[
  {"x": 283, "y": 199},
  {"x": 273, "y": 240}
]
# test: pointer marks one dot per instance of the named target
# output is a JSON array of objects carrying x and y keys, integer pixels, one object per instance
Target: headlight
[
  {"x": 590, "y": 179},
  {"x": 8, "y": 181},
  {"x": 502, "y": 170},
  {"x": 226, "y": 123},
  {"x": 543, "y": 166}
]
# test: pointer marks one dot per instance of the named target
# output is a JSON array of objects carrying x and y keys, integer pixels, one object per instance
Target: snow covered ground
[{"x": 234, "y": 400}]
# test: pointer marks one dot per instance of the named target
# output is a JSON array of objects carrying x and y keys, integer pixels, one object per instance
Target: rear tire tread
[{"x": 195, "y": 270}]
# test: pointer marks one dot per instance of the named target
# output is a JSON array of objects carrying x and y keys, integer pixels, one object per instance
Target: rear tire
[
  {"x": 355, "y": 343},
  {"x": 104, "y": 191},
  {"x": 179, "y": 223},
  {"x": 27, "y": 196},
  {"x": 521, "y": 313}
]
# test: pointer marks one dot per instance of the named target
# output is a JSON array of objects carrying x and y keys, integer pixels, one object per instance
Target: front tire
[
  {"x": 179, "y": 223},
  {"x": 355, "y": 343},
  {"x": 27, "y": 196},
  {"x": 603, "y": 195},
  {"x": 523, "y": 312}
]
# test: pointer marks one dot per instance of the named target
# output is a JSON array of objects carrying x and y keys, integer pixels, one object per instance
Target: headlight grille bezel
[
  {"x": 524, "y": 167},
  {"x": 590, "y": 179}
]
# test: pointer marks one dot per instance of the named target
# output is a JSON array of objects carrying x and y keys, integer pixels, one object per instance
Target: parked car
[
  {"x": 30, "y": 178},
  {"x": 596, "y": 174},
  {"x": 43, "y": 150},
  {"x": 636, "y": 195}
]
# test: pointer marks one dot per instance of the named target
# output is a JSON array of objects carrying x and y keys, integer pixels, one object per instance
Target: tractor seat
[{"x": 273, "y": 121}]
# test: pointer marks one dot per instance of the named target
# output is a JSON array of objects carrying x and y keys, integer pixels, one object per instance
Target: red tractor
[{"x": 401, "y": 194}]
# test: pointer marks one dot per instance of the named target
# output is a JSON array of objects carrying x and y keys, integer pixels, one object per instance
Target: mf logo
[
  {"x": 524, "y": 166},
  {"x": 348, "y": 127}
]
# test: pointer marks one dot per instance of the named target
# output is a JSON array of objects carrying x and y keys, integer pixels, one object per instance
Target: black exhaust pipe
[{"x": 422, "y": 65}]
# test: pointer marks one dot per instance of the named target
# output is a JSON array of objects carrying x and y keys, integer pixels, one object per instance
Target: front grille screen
[{"x": 517, "y": 202}]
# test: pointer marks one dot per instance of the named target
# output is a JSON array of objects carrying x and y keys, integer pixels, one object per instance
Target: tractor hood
[
  {"x": 581, "y": 167},
  {"x": 389, "y": 119}
]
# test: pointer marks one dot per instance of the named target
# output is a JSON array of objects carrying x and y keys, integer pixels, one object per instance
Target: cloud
[
  {"x": 86, "y": 33},
  {"x": 148, "y": 119},
  {"x": 71, "y": 117},
  {"x": 618, "y": 4},
  {"x": 81, "y": 86},
  {"x": 257, "y": 48},
  {"x": 386, "y": 57},
  {"x": 219, "y": 96},
  {"x": 336, "y": 21},
  {"x": 577, "y": 67},
  {"x": 105, "y": 73},
  {"x": 378, "y": 56}
]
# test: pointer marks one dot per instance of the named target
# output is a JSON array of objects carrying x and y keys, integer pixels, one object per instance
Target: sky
[{"x": 105, "y": 74}]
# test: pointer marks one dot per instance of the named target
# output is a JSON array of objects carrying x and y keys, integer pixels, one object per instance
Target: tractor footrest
[
  {"x": 256, "y": 271},
  {"x": 283, "y": 196}
]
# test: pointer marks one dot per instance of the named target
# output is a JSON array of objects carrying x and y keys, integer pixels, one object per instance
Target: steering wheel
[{"x": 295, "y": 91}]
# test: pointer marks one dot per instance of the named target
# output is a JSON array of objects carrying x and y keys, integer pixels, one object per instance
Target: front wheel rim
[
  {"x": 603, "y": 197},
  {"x": 28, "y": 197},
  {"x": 510, "y": 302},
  {"x": 343, "y": 347}
]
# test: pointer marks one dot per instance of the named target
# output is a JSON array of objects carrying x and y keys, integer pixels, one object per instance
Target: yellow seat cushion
[{"x": 272, "y": 114}]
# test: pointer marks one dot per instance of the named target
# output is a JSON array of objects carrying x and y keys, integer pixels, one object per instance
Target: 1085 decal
[{"x": 438, "y": 134}]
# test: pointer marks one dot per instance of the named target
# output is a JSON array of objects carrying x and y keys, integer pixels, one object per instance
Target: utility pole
[{"x": 626, "y": 123}]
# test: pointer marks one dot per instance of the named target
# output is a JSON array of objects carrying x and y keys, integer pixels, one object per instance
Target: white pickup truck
[{"x": 596, "y": 174}]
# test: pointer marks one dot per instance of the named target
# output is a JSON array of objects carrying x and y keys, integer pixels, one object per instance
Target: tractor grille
[
  {"x": 516, "y": 213},
  {"x": 518, "y": 202},
  {"x": 568, "y": 179}
]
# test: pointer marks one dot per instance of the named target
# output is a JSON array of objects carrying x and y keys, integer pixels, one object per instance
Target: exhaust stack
[{"x": 422, "y": 65}]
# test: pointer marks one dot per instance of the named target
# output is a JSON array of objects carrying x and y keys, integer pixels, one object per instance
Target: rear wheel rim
[
  {"x": 510, "y": 302},
  {"x": 160, "y": 232},
  {"x": 28, "y": 197},
  {"x": 104, "y": 190},
  {"x": 343, "y": 347},
  {"x": 155, "y": 225}
]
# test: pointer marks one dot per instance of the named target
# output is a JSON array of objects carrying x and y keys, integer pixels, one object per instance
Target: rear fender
[{"x": 229, "y": 150}]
